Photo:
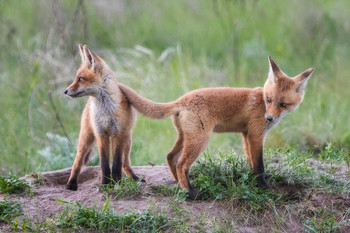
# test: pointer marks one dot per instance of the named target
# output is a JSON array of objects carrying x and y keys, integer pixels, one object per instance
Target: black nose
[
  {"x": 65, "y": 92},
  {"x": 269, "y": 118}
]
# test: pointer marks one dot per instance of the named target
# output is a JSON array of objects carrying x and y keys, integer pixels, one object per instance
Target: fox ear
[
  {"x": 81, "y": 53},
  {"x": 301, "y": 79},
  {"x": 89, "y": 58},
  {"x": 274, "y": 71}
]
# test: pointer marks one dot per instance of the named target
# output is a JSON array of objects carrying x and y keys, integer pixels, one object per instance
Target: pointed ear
[
  {"x": 301, "y": 79},
  {"x": 89, "y": 58},
  {"x": 274, "y": 71},
  {"x": 81, "y": 53}
]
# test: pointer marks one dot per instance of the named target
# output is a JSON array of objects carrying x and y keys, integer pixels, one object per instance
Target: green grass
[
  {"x": 80, "y": 218},
  {"x": 12, "y": 184},
  {"x": 162, "y": 54},
  {"x": 126, "y": 188},
  {"x": 174, "y": 191},
  {"x": 323, "y": 221},
  {"x": 304, "y": 192},
  {"x": 8, "y": 210},
  {"x": 225, "y": 175}
]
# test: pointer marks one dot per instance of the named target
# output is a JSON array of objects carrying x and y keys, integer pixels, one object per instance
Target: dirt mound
[{"x": 42, "y": 204}]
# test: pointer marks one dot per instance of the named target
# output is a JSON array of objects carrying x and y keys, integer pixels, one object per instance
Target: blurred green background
[{"x": 164, "y": 49}]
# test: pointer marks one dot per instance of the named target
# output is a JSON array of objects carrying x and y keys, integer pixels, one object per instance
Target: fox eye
[
  {"x": 283, "y": 105},
  {"x": 269, "y": 100},
  {"x": 80, "y": 79}
]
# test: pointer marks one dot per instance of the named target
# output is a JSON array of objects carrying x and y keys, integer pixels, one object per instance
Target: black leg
[
  {"x": 193, "y": 194},
  {"x": 117, "y": 165},
  {"x": 106, "y": 171},
  {"x": 260, "y": 172},
  {"x": 72, "y": 184}
]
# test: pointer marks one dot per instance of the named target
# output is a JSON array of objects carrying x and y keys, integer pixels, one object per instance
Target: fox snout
[
  {"x": 269, "y": 118},
  {"x": 68, "y": 93},
  {"x": 74, "y": 93}
]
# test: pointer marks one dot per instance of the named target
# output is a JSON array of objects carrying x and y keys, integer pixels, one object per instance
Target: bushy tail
[{"x": 145, "y": 106}]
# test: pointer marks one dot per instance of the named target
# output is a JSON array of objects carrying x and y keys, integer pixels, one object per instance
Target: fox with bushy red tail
[
  {"x": 199, "y": 113},
  {"x": 107, "y": 119}
]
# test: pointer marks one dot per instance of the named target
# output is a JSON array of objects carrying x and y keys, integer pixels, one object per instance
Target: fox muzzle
[{"x": 269, "y": 118}]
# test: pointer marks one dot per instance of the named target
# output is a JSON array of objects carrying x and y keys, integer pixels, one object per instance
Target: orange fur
[
  {"x": 107, "y": 119},
  {"x": 200, "y": 112}
]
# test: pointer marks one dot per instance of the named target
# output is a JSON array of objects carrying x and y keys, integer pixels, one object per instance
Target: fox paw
[
  {"x": 136, "y": 178},
  {"x": 106, "y": 181},
  {"x": 72, "y": 186},
  {"x": 142, "y": 180},
  {"x": 267, "y": 175},
  {"x": 194, "y": 194},
  {"x": 261, "y": 182},
  {"x": 263, "y": 185}
]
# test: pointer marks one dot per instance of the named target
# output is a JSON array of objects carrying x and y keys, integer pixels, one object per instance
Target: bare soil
[{"x": 41, "y": 205}]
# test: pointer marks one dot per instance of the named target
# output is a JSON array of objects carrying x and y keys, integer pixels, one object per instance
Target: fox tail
[{"x": 147, "y": 107}]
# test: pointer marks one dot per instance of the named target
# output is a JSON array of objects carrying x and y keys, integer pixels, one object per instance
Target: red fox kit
[
  {"x": 108, "y": 118},
  {"x": 251, "y": 112}
]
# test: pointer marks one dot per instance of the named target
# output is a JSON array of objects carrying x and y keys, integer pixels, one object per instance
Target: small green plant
[
  {"x": 38, "y": 178},
  {"x": 226, "y": 176},
  {"x": 292, "y": 169},
  {"x": 78, "y": 217},
  {"x": 9, "y": 210},
  {"x": 125, "y": 188},
  {"x": 173, "y": 191},
  {"x": 332, "y": 152},
  {"x": 23, "y": 227},
  {"x": 314, "y": 225},
  {"x": 12, "y": 184}
]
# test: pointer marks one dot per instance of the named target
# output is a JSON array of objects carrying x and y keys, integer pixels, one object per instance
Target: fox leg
[
  {"x": 193, "y": 146},
  {"x": 257, "y": 162},
  {"x": 174, "y": 155},
  {"x": 246, "y": 148},
  {"x": 125, "y": 145},
  {"x": 85, "y": 145},
  {"x": 103, "y": 144},
  {"x": 117, "y": 150}
]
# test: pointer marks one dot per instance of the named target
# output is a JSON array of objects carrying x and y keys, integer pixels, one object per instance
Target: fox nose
[
  {"x": 65, "y": 92},
  {"x": 268, "y": 118}
]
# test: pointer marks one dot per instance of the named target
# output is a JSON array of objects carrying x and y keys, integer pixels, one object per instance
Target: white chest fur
[{"x": 103, "y": 118}]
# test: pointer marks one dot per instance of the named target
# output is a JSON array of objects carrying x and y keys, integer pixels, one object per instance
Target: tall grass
[{"x": 163, "y": 49}]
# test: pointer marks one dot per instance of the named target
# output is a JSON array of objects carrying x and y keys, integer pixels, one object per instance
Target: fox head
[
  {"x": 283, "y": 94},
  {"x": 89, "y": 76}
]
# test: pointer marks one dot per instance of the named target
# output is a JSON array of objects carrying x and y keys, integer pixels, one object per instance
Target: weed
[
  {"x": 9, "y": 210},
  {"x": 173, "y": 191},
  {"x": 78, "y": 217},
  {"x": 37, "y": 176},
  {"x": 125, "y": 188},
  {"x": 12, "y": 184},
  {"x": 332, "y": 152},
  {"x": 325, "y": 223},
  {"x": 226, "y": 176},
  {"x": 291, "y": 168},
  {"x": 180, "y": 214}
]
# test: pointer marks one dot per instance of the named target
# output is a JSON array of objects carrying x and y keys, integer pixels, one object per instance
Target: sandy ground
[{"x": 42, "y": 204}]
